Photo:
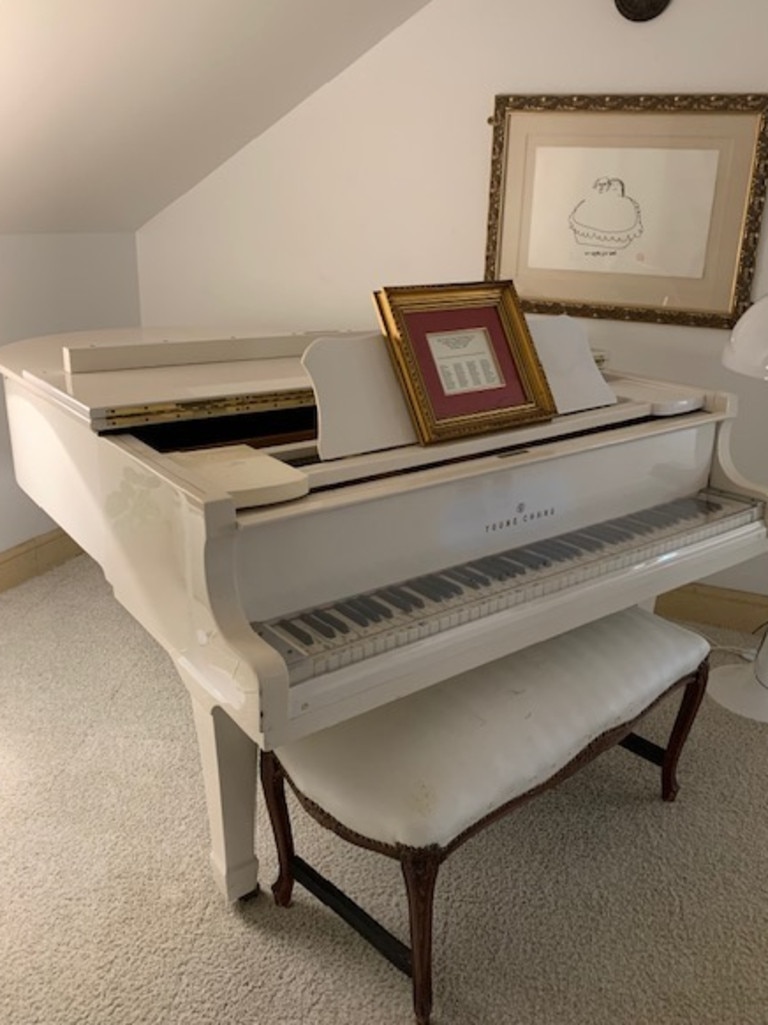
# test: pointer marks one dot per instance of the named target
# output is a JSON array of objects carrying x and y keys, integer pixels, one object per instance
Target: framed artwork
[
  {"x": 629, "y": 207},
  {"x": 464, "y": 358}
]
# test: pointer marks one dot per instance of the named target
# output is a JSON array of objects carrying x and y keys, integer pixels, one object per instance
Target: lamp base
[{"x": 738, "y": 689}]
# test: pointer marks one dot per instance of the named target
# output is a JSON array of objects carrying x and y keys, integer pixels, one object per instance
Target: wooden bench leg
[
  {"x": 689, "y": 706},
  {"x": 420, "y": 873},
  {"x": 273, "y": 785}
]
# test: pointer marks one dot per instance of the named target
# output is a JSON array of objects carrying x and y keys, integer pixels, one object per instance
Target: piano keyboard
[{"x": 320, "y": 640}]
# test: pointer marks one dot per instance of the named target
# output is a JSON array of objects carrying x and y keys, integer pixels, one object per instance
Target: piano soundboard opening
[
  {"x": 290, "y": 435},
  {"x": 266, "y": 428}
]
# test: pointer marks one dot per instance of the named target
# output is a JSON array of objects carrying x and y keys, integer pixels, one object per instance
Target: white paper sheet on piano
[{"x": 573, "y": 376}]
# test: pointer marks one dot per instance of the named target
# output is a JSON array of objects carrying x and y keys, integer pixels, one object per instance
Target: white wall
[
  {"x": 381, "y": 178},
  {"x": 52, "y": 283}
]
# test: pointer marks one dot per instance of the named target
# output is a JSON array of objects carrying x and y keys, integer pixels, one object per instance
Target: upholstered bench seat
[
  {"x": 415, "y": 778},
  {"x": 422, "y": 770}
]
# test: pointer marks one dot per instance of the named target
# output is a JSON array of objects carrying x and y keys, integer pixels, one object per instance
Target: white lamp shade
[
  {"x": 744, "y": 688},
  {"x": 747, "y": 350}
]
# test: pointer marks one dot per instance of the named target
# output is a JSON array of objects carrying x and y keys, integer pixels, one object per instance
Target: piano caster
[
  {"x": 247, "y": 897},
  {"x": 235, "y": 884}
]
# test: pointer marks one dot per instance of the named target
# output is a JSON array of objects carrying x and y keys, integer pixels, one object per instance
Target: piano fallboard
[
  {"x": 470, "y": 614},
  {"x": 321, "y": 639},
  {"x": 399, "y": 526}
]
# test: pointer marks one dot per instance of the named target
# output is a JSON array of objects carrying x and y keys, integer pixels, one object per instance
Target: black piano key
[
  {"x": 696, "y": 506},
  {"x": 625, "y": 531},
  {"x": 552, "y": 549},
  {"x": 656, "y": 517},
  {"x": 352, "y": 612},
  {"x": 449, "y": 587},
  {"x": 333, "y": 621},
  {"x": 463, "y": 576},
  {"x": 529, "y": 559},
  {"x": 522, "y": 566},
  {"x": 296, "y": 632},
  {"x": 513, "y": 567},
  {"x": 375, "y": 608},
  {"x": 481, "y": 578},
  {"x": 635, "y": 524},
  {"x": 318, "y": 625},
  {"x": 545, "y": 552},
  {"x": 605, "y": 532},
  {"x": 589, "y": 544},
  {"x": 495, "y": 568},
  {"x": 478, "y": 566},
  {"x": 438, "y": 586},
  {"x": 708, "y": 505},
  {"x": 572, "y": 547},
  {"x": 408, "y": 596},
  {"x": 397, "y": 599},
  {"x": 425, "y": 587},
  {"x": 678, "y": 506},
  {"x": 371, "y": 614},
  {"x": 507, "y": 564},
  {"x": 443, "y": 586}
]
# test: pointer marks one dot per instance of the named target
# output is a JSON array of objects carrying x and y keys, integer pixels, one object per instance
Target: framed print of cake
[{"x": 629, "y": 207}]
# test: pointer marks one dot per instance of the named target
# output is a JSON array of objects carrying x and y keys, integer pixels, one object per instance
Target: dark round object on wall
[{"x": 641, "y": 10}]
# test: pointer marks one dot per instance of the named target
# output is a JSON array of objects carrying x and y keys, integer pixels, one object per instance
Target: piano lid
[
  {"x": 127, "y": 378},
  {"x": 153, "y": 379}
]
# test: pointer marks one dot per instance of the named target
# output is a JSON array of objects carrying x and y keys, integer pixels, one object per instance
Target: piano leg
[{"x": 229, "y": 758}]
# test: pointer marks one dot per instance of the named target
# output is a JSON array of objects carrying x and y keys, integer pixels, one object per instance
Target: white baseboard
[{"x": 35, "y": 556}]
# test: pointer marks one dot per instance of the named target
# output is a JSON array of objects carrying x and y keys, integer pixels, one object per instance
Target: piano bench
[{"x": 415, "y": 778}]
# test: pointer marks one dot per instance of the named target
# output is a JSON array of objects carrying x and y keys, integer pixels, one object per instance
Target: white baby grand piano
[{"x": 300, "y": 574}]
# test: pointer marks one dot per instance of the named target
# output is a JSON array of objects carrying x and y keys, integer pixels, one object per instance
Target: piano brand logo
[{"x": 521, "y": 516}]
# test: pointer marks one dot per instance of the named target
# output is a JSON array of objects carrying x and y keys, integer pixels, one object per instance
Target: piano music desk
[{"x": 417, "y": 777}]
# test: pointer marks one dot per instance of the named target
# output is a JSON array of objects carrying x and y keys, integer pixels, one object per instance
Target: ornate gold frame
[
  {"x": 735, "y": 127},
  {"x": 413, "y": 316}
]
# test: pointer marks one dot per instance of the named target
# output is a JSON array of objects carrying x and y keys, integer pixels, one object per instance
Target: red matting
[{"x": 509, "y": 395}]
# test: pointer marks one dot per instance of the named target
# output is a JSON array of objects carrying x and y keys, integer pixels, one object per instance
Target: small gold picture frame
[{"x": 464, "y": 357}]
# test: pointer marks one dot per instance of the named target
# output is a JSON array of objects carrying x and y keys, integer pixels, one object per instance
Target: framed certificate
[{"x": 464, "y": 358}]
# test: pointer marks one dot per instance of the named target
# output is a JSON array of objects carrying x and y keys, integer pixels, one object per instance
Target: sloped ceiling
[{"x": 111, "y": 109}]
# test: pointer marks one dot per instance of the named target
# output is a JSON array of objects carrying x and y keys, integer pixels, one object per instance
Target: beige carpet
[{"x": 596, "y": 904}]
